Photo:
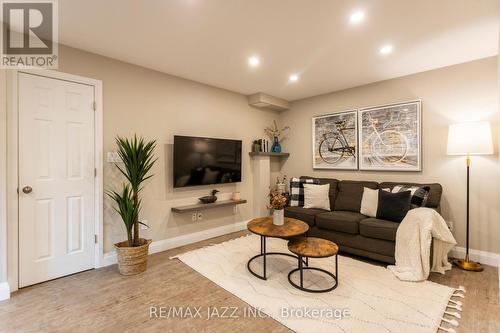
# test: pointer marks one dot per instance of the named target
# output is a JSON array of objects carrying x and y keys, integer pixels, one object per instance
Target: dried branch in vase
[{"x": 274, "y": 131}]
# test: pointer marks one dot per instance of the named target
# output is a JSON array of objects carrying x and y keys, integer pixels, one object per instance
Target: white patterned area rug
[{"x": 369, "y": 298}]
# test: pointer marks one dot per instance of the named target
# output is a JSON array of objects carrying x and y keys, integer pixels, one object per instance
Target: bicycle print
[
  {"x": 390, "y": 137},
  {"x": 335, "y": 141}
]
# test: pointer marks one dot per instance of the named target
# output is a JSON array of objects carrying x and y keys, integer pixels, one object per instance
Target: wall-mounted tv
[{"x": 206, "y": 161}]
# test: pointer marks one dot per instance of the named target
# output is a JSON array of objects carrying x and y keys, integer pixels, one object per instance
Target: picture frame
[
  {"x": 390, "y": 137},
  {"x": 335, "y": 140}
]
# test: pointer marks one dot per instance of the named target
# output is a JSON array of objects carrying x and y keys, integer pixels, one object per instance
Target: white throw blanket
[{"x": 413, "y": 245}]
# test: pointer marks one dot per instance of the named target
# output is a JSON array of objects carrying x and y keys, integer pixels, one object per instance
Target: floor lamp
[{"x": 468, "y": 139}]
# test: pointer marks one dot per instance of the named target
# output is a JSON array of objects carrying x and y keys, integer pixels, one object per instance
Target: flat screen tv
[{"x": 206, "y": 161}]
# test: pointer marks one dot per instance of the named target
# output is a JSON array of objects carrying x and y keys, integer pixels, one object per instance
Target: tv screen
[{"x": 206, "y": 161}]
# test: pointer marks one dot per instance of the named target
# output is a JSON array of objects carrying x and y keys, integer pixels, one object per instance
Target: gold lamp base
[{"x": 468, "y": 265}]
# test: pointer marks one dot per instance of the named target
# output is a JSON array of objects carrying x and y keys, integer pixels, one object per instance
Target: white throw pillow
[
  {"x": 316, "y": 196},
  {"x": 369, "y": 202}
]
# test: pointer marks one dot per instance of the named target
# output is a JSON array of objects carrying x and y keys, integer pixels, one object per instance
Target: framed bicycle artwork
[
  {"x": 390, "y": 137},
  {"x": 335, "y": 141}
]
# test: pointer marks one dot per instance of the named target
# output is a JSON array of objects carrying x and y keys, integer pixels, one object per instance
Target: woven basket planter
[{"x": 132, "y": 260}]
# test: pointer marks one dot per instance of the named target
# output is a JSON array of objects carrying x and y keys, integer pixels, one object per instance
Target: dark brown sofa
[{"x": 353, "y": 232}]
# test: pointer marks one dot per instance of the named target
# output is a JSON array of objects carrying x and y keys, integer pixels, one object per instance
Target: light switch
[{"x": 113, "y": 157}]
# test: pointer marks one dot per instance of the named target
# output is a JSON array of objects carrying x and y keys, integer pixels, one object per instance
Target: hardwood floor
[{"x": 104, "y": 301}]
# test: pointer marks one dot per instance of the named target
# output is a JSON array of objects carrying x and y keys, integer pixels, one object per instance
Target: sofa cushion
[
  {"x": 304, "y": 214},
  {"x": 369, "y": 201},
  {"x": 333, "y": 188},
  {"x": 350, "y": 242},
  {"x": 419, "y": 194},
  {"x": 342, "y": 221},
  {"x": 350, "y": 194},
  {"x": 316, "y": 196},
  {"x": 358, "y": 244},
  {"x": 393, "y": 206},
  {"x": 380, "y": 229},
  {"x": 297, "y": 190},
  {"x": 435, "y": 191}
]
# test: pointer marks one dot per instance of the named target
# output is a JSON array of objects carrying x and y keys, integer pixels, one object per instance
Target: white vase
[{"x": 278, "y": 216}]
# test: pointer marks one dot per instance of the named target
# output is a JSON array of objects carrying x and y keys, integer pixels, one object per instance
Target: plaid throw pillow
[
  {"x": 419, "y": 194},
  {"x": 297, "y": 190}
]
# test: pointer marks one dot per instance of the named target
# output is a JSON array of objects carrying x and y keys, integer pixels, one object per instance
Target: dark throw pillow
[
  {"x": 393, "y": 206},
  {"x": 419, "y": 194}
]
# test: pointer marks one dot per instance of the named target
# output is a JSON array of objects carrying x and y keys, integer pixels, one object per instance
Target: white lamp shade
[{"x": 472, "y": 138}]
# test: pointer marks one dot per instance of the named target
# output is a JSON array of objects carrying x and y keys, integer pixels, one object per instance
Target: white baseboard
[
  {"x": 4, "y": 291},
  {"x": 483, "y": 257},
  {"x": 170, "y": 243}
]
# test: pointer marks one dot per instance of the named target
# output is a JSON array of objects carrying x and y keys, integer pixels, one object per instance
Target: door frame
[{"x": 12, "y": 167}]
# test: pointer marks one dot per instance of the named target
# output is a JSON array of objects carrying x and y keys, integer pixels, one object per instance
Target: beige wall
[
  {"x": 452, "y": 94},
  {"x": 3, "y": 174},
  {"x": 158, "y": 106}
]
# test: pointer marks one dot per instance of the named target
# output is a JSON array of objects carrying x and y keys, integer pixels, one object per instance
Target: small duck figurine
[{"x": 209, "y": 198}]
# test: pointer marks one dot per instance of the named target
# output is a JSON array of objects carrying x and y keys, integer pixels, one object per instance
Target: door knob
[{"x": 27, "y": 189}]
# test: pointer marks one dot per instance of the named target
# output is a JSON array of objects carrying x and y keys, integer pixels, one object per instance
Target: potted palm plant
[{"x": 138, "y": 159}]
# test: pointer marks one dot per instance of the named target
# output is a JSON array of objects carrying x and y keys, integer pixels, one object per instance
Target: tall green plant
[
  {"x": 138, "y": 158},
  {"x": 127, "y": 209}
]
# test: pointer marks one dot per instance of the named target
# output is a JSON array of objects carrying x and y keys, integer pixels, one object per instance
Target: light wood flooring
[{"x": 104, "y": 301}]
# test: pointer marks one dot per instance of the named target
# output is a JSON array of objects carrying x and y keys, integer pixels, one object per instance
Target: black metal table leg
[
  {"x": 301, "y": 270},
  {"x": 264, "y": 257},
  {"x": 264, "y": 254},
  {"x": 337, "y": 268},
  {"x": 301, "y": 273}
]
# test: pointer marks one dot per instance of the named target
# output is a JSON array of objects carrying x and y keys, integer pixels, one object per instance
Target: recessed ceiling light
[
  {"x": 254, "y": 61},
  {"x": 293, "y": 78},
  {"x": 357, "y": 17},
  {"x": 386, "y": 49}
]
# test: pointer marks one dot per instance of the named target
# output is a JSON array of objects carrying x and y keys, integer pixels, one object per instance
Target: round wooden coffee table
[
  {"x": 312, "y": 247},
  {"x": 264, "y": 227}
]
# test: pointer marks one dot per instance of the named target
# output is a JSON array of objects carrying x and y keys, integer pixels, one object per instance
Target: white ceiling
[{"x": 210, "y": 40}]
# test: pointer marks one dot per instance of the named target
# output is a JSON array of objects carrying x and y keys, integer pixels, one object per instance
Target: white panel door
[{"x": 56, "y": 178}]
